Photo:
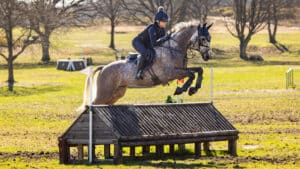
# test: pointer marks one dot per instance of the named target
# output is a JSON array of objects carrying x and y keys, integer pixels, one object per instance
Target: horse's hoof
[
  {"x": 178, "y": 91},
  {"x": 192, "y": 91}
]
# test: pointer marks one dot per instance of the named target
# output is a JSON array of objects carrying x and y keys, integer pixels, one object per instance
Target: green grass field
[{"x": 251, "y": 95}]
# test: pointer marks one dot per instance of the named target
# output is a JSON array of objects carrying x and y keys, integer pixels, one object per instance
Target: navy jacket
[{"x": 152, "y": 36}]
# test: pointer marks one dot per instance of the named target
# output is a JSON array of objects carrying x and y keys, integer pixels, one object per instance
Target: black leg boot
[{"x": 141, "y": 65}]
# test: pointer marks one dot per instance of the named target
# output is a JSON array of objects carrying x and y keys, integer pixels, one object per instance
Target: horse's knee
[
  {"x": 191, "y": 75},
  {"x": 200, "y": 70}
]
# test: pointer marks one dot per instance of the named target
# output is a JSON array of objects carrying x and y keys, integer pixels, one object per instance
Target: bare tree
[
  {"x": 143, "y": 11},
  {"x": 277, "y": 10},
  {"x": 200, "y": 9},
  {"x": 112, "y": 10},
  {"x": 12, "y": 16},
  {"x": 249, "y": 18},
  {"x": 49, "y": 15}
]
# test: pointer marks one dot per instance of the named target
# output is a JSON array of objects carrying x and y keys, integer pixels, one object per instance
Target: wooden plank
[
  {"x": 159, "y": 151},
  {"x": 85, "y": 135},
  {"x": 146, "y": 149},
  {"x": 64, "y": 151},
  {"x": 96, "y": 133},
  {"x": 181, "y": 147},
  {"x": 232, "y": 147},
  {"x": 206, "y": 147},
  {"x": 176, "y": 141},
  {"x": 171, "y": 149},
  {"x": 186, "y": 135},
  {"x": 80, "y": 153},
  {"x": 86, "y": 141},
  {"x": 118, "y": 158},
  {"x": 132, "y": 151},
  {"x": 197, "y": 149},
  {"x": 107, "y": 151}
]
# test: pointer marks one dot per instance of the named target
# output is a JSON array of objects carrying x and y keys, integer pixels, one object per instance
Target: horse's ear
[
  {"x": 210, "y": 26},
  {"x": 199, "y": 27},
  {"x": 204, "y": 25}
]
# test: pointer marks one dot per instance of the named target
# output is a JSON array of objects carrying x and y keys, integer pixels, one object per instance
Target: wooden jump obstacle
[{"x": 146, "y": 125}]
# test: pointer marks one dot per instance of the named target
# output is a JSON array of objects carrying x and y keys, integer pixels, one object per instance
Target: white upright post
[
  {"x": 211, "y": 84},
  {"x": 177, "y": 98},
  {"x": 91, "y": 117}
]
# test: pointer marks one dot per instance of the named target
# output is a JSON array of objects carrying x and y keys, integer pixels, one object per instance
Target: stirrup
[{"x": 139, "y": 75}]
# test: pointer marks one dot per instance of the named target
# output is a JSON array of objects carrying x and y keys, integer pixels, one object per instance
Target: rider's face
[{"x": 163, "y": 24}]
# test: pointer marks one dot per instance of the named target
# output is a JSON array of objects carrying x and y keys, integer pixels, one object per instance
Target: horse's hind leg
[
  {"x": 193, "y": 90},
  {"x": 103, "y": 96},
  {"x": 105, "y": 89},
  {"x": 118, "y": 93}
]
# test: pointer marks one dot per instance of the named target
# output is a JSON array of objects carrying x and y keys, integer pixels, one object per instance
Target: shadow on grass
[
  {"x": 27, "y": 91},
  {"x": 18, "y": 66},
  {"x": 281, "y": 47},
  {"x": 21, "y": 66},
  {"x": 240, "y": 63},
  {"x": 224, "y": 60},
  {"x": 96, "y": 52},
  {"x": 169, "y": 161}
]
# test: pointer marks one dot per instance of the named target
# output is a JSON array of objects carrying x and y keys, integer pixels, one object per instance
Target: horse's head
[{"x": 201, "y": 41}]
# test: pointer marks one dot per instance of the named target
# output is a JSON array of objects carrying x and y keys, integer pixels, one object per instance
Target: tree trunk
[
  {"x": 10, "y": 60},
  {"x": 205, "y": 13},
  {"x": 272, "y": 20},
  {"x": 11, "y": 79},
  {"x": 45, "y": 48},
  {"x": 243, "y": 49},
  {"x": 112, "y": 34},
  {"x": 272, "y": 32}
]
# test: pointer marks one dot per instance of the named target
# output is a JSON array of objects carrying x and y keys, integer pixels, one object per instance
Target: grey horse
[{"x": 112, "y": 80}]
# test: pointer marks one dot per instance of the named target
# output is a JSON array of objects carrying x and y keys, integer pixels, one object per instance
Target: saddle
[{"x": 135, "y": 57}]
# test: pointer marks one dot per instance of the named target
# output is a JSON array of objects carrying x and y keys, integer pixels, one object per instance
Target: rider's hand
[
  {"x": 168, "y": 36},
  {"x": 165, "y": 38}
]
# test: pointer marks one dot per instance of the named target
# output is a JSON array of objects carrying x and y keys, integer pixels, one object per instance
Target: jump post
[
  {"x": 156, "y": 125},
  {"x": 289, "y": 78}
]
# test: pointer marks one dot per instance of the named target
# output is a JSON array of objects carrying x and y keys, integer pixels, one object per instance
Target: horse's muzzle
[{"x": 206, "y": 56}]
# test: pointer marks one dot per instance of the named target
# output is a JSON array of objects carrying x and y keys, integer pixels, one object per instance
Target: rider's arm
[{"x": 153, "y": 36}]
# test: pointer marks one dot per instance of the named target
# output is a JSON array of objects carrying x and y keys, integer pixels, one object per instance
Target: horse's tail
[{"x": 87, "y": 86}]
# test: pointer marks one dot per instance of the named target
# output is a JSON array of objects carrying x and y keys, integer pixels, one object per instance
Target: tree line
[{"x": 26, "y": 22}]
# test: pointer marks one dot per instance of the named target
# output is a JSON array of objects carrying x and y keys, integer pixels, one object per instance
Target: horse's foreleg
[
  {"x": 188, "y": 83},
  {"x": 193, "y": 90}
]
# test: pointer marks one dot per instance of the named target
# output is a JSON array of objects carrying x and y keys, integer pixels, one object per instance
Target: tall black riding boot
[{"x": 141, "y": 65}]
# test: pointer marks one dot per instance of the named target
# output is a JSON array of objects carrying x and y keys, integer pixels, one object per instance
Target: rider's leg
[
  {"x": 139, "y": 46},
  {"x": 141, "y": 66}
]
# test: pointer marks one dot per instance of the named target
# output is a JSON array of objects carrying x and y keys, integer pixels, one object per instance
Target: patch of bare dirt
[
  {"x": 28, "y": 155},
  {"x": 265, "y": 118},
  {"x": 274, "y": 131}
]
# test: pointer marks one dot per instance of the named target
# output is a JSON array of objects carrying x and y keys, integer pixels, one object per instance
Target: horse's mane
[{"x": 182, "y": 25}]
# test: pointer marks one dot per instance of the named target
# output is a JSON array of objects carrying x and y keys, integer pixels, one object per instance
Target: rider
[{"x": 154, "y": 35}]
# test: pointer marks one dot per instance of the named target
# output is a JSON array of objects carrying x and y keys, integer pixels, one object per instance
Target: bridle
[
  {"x": 190, "y": 48},
  {"x": 201, "y": 39}
]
